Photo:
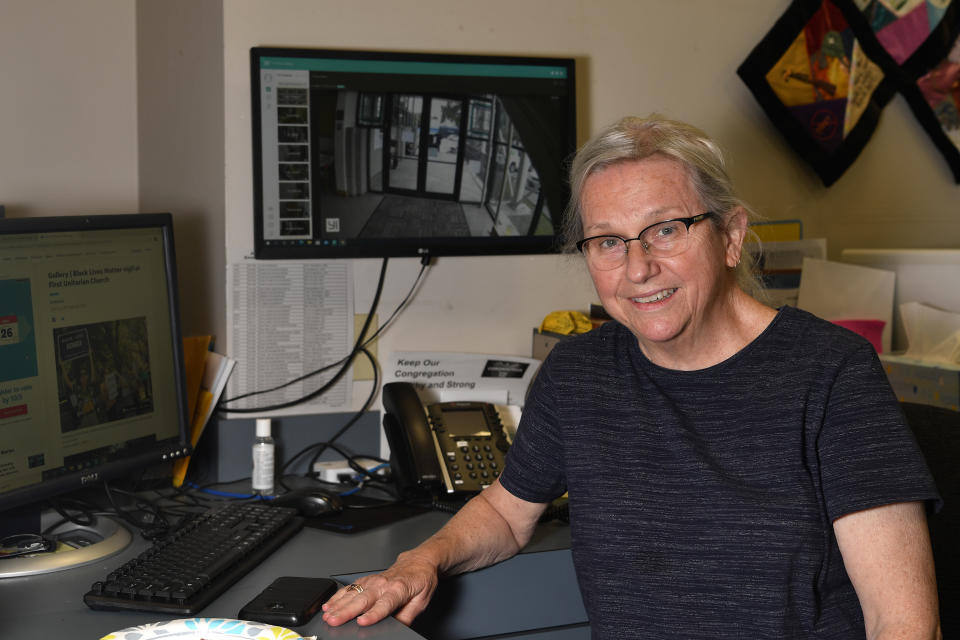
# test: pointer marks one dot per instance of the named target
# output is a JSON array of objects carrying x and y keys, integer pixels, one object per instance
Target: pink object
[
  {"x": 903, "y": 36},
  {"x": 872, "y": 330}
]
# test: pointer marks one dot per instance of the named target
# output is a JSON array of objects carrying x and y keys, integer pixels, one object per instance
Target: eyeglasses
[
  {"x": 22, "y": 544},
  {"x": 661, "y": 240}
]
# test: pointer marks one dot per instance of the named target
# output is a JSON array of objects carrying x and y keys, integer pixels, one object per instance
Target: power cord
[
  {"x": 344, "y": 366},
  {"x": 146, "y": 516},
  {"x": 346, "y": 361},
  {"x": 356, "y": 417}
]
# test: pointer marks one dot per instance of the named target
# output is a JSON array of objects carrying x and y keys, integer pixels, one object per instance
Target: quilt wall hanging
[{"x": 827, "y": 68}]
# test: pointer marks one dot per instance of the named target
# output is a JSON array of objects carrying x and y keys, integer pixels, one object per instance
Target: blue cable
[{"x": 227, "y": 494}]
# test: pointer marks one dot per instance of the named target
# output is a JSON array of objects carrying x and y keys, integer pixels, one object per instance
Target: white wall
[{"x": 68, "y": 116}]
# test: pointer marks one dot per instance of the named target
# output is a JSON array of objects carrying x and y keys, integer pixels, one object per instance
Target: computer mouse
[
  {"x": 311, "y": 502},
  {"x": 315, "y": 503}
]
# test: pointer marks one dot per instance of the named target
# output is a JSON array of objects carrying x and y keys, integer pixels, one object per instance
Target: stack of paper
[{"x": 207, "y": 375}]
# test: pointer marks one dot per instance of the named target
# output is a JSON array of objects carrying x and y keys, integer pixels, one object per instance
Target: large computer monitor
[
  {"x": 91, "y": 370},
  {"x": 376, "y": 154}
]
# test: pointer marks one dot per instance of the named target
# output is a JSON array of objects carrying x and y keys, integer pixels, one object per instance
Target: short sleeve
[
  {"x": 534, "y": 468},
  {"x": 868, "y": 455}
]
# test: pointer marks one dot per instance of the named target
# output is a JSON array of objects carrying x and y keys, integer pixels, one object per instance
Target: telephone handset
[{"x": 449, "y": 449}]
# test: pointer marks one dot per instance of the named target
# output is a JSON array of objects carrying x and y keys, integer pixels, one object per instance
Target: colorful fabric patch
[
  {"x": 935, "y": 100},
  {"x": 902, "y": 26},
  {"x": 827, "y": 69},
  {"x": 817, "y": 84}
]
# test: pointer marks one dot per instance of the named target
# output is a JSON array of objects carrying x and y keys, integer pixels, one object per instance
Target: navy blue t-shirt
[{"x": 702, "y": 502}]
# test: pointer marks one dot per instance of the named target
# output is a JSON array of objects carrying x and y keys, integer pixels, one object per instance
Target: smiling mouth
[{"x": 657, "y": 297}]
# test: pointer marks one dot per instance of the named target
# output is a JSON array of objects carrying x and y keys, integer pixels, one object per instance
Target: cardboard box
[
  {"x": 544, "y": 342},
  {"x": 923, "y": 383}
]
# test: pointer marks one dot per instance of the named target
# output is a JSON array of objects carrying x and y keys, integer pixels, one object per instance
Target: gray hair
[{"x": 633, "y": 138}]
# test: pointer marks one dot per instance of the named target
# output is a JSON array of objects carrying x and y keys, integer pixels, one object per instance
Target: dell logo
[{"x": 90, "y": 477}]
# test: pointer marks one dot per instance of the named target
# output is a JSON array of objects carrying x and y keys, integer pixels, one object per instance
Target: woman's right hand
[
  {"x": 491, "y": 527},
  {"x": 404, "y": 590}
]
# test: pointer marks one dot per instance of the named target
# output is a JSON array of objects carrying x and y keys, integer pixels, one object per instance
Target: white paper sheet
[
  {"x": 288, "y": 319},
  {"x": 839, "y": 291}
]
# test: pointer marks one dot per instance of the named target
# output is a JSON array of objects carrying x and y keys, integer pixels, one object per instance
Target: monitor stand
[{"x": 77, "y": 545}]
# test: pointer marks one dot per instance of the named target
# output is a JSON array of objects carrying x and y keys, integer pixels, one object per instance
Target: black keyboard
[{"x": 186, "y": 571}]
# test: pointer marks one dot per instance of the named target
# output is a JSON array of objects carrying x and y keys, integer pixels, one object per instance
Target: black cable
[
  {"x": 446, "y": 507},
  {"x": 360, "y": 346},
  {"x": 373, "y": 391},
  {"x": 185, "y": 492},
  {"x": 345, "y": 362},
  {"x": 363, "y": 471},
  {"x": 152, "y": 526},
  {"x": 367, "y": 343},
  {"x": 143, "y": 504},
  {"x": 84, "y": 517},
  {"x": 153, "y": 523},
  {"x": 297, "y": 455},
  {"x": 424, "y": 262},
  {"x": 416, "y": 282},
  {"x": 309, "y": 448},
  {"x": 349, "y": 457},
  {"x": 359, "y": 414}
]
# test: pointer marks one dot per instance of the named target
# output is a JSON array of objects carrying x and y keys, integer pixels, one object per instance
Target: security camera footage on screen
[{"x": 376, "y": 156}]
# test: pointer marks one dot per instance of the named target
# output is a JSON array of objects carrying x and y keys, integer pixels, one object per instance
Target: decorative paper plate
[{"x": 206, "y": 629}]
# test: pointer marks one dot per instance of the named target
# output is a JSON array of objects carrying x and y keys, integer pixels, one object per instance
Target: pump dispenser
[{"x": 263, "y": 459}]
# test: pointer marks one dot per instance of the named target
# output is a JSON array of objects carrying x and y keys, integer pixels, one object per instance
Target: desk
[{"x": 51, "y": 605}]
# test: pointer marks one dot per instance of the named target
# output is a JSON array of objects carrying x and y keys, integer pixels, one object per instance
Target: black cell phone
[{"x": 289, "y": 601}]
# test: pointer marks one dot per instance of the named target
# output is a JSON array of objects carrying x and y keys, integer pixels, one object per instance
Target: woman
[{"x": 733, "y": 470}]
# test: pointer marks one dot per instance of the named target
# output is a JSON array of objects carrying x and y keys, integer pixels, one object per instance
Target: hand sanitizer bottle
[{"x": 263, "y": 451}]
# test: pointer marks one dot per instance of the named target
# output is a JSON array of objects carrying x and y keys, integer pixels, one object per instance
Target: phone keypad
[{"x": 473, "y": 461}]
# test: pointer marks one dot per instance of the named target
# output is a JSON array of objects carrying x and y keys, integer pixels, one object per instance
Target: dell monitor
[
  {"x": 380, "y": 154},
  {"x": 91, "y": 370}
]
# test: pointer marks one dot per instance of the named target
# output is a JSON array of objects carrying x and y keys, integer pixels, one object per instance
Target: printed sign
[
  {"x": 445, "y": 377},
  {"x": 73, "y": 344}
]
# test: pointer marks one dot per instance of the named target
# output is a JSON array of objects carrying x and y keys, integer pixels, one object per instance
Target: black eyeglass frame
[
  {"x": 687, "y": 222},
  {"x": 23, "y": 544}
]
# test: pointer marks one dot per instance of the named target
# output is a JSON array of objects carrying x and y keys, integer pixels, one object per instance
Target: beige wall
[
  {"x": 71, "y": 140},
  {"x": 180, "y": 115},
  {"x": 68, "y": 116},
  {"x": 634, "y": 56},
  {"x": 469, "y": 304}
]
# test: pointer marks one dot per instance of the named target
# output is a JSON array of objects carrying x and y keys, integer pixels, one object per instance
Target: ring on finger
[{"x": 355, "y": 587}]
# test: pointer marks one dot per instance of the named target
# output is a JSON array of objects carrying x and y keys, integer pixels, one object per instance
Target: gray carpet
[{"x": 408, "y": 217}]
